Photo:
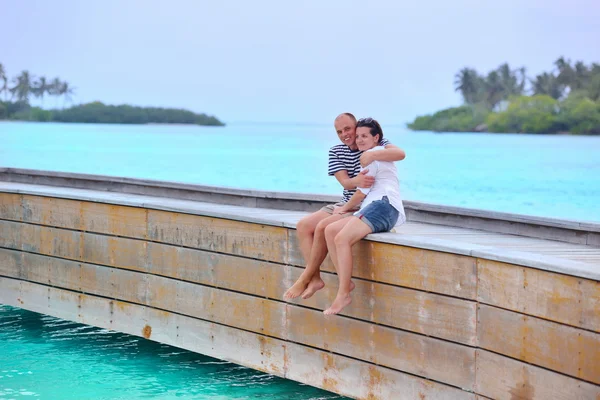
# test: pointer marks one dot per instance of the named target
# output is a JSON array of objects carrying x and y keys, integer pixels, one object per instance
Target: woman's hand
[{"x": 339, "y": 210}]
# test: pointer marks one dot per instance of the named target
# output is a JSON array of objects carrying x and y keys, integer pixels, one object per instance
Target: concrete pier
[{"x": 456, "y": 304}]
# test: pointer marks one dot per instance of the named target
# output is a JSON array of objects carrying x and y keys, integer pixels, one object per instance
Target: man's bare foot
[
  {"x": 338, "y": 304},
  {"x": 296, "y": 289},
  {"x": 314, "y": 285}
]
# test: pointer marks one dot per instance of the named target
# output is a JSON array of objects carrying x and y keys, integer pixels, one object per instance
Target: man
[{"x": 344, "y": 163}]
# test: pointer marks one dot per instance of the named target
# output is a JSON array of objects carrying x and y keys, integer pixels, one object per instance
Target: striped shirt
[{"x": 342, "y": 158}]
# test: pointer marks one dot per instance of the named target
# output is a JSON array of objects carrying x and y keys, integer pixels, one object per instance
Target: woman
[{"x": 381, "y": 211}]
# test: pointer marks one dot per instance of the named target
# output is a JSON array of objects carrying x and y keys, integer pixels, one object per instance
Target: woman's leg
[
  {"x": 330, "y": 233},
  {"x": 350, "y": 233}
]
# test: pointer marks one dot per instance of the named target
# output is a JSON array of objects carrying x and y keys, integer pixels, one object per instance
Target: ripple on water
[{"x": 50, "y": 358}]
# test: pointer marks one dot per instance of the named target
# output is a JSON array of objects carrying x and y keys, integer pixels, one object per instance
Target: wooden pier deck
[{"x": 440, "y": 311}]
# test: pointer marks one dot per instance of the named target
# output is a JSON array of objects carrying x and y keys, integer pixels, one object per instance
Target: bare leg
[
  {"x": 306, "y": 231},
  {"x": 350, "y": 233},
  {"x": 310, "y": 280},
  {"x": 317, "y": 256}
]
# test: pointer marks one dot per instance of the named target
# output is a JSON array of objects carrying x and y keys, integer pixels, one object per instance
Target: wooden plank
[
  {"x": 220, "y": 235},
  {"x": 224, "y": 307},
  {"x": 50, "y": 241},
  {"x": 114, "y": 283},
  {"x": 548, "y": 344},
  {"x": 222, "y": 270},
  {"x": 109, "y": 219},
  {"x": 115, "y": 220},
  {"x": 416, "y": 354},
  {"x": 10, "y": 206},
  {"x": 10, "y": 263},
  {"x": 417, "y": 311},
  {"x": 11, "y": 234},
  {"x": 561, "y": 298},
  {"x": 314, "y": 367},
  {"x": 52, "y": 271},
  {"x": 422, "y": 312},
  {"x": 51, "y": 211},
  {"x": 114, "y": 251},
  {"x": 503, "y": 378},
  {"x": 444, "y": 361},
  {"x": 410, "y": 267},
  {"x": 360, "y": 380}
]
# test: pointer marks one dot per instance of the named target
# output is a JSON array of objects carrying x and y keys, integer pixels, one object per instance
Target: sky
[{"x": 282, "y": 61}]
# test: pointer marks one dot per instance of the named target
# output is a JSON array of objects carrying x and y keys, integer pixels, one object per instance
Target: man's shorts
[
  {"x": 329, "y": 209},
  {"x": 380, "y": 216}
]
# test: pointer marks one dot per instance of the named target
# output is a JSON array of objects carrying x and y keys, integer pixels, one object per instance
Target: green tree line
[
  {"x": 18, "y": 92},
  {"x": 566, "y": 99}
]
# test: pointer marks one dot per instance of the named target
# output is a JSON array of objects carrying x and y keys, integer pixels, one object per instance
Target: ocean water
[
  {"x": 42, "y": 357},
  {"x": 545, "y": 175},
  {"x": 48, "y": 358}
]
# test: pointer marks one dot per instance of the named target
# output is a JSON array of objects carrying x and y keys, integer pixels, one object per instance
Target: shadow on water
[{"x": 52, "y": 358}]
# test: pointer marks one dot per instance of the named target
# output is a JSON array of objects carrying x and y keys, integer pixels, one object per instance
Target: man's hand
[{"x": 363, "y": 180}]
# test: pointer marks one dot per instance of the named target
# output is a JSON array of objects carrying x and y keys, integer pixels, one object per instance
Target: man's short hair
[{"x": 347, "y": 114}]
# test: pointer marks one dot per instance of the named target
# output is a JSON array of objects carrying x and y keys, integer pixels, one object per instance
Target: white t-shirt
[{"x": 386, "y": 184}]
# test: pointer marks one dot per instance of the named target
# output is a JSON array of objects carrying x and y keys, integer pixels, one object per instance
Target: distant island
[
  {"x": 566, "y": 100},
  {"x": 26, "y": 85}
]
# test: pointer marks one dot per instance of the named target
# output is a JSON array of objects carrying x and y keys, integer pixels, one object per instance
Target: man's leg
[
  {"x": 317, "y": 256},
  {"x": 305, "y": 230},
  {"x": 350, "y": 233}
]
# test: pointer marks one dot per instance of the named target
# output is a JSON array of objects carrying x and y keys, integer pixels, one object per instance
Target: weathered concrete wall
[{"x": 423, "y": 324}]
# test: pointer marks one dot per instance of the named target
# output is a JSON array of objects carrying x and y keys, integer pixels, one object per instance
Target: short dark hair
[
  {"x": 347, "y": 114},
  {"x": 373, "y": 124}
]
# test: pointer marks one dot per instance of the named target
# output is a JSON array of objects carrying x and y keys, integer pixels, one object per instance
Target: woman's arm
[
  {"x": 390, "y": 153},
  {"x": 353, "y": 203}
]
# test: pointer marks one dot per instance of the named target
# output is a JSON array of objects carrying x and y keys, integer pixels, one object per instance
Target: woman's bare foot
[
  {"x": 314, "y": 285},
  {"x": 338, "y": 304},
  {"x": 296, "y": 289}
]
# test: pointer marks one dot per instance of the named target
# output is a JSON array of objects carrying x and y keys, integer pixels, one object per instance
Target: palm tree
[
  {"x": 40, "y": 88},
  {"x": 581, "y": 76},
  {"x": 4, "y": 80},
  {"x": 54, "y": 87},
  {"x": 67, "y": 91},
  {"x": 547, "y": 84},
  {"x": 23, "y": 87},
  {"x": 511, "y": 85},
  {"x": 468, "y": 83},
  {"x": 494, "y": 89},
  {"x": 566, "y": 75},
  {"x": 522, "y": 79}
]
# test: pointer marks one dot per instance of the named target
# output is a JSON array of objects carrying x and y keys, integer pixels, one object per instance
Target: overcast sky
[{"x": 284, "y": 61}]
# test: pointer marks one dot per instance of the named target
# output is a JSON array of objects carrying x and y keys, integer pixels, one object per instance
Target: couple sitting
[{"x": 337, "y": 227}]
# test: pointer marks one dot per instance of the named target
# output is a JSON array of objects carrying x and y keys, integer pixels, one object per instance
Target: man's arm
[
  {"x": 390, "y": 153},
  {"x": 360, "y": 180}
]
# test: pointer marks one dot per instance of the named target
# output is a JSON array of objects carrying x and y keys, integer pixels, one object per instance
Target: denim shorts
[{"x": 379, "y": 215}]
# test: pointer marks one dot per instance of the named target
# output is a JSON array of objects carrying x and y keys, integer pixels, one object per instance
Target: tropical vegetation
[
  {"x": 18, "y": 91},
  {"x": 565, "y": 100}
]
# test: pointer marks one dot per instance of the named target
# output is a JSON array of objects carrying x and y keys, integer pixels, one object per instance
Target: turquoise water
[
  {"x": 552, "y": 176},
  {"x": 48, "y": 358}
]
